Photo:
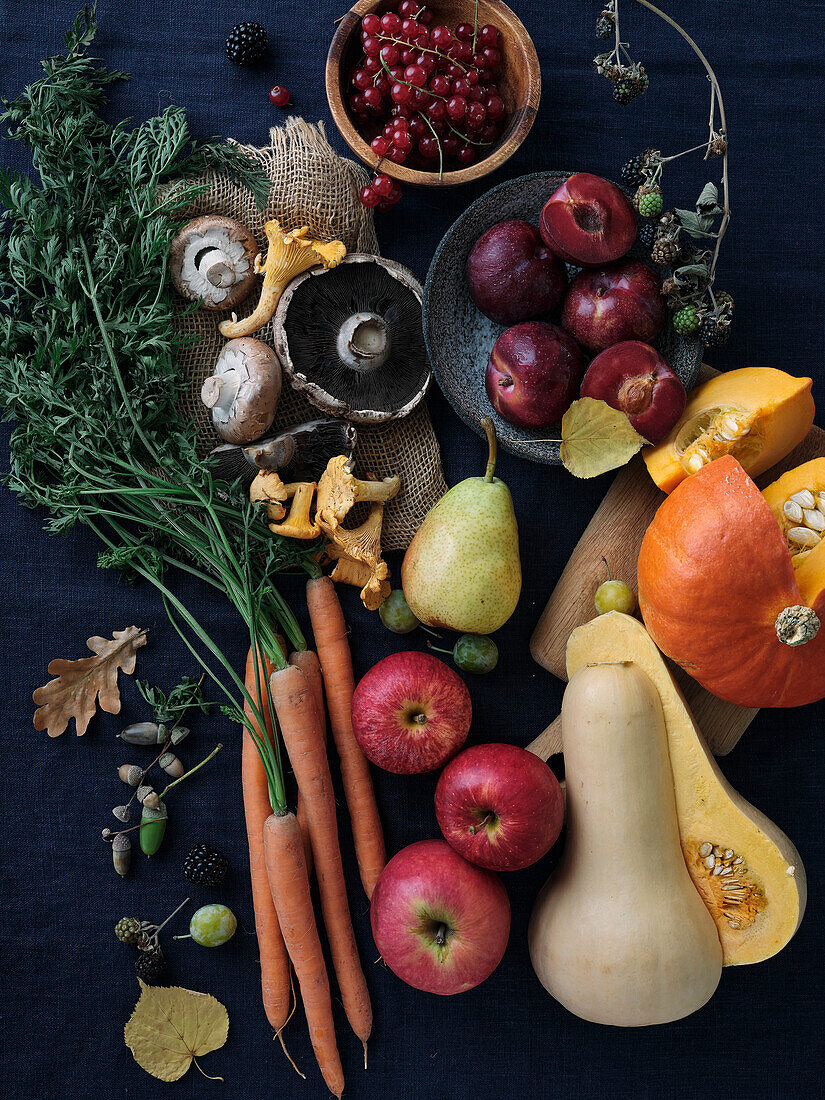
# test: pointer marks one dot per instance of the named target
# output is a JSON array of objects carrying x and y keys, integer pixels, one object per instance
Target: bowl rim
[
  {"x": 522, "y": 120},
  {"x": 542, "y": 459}
]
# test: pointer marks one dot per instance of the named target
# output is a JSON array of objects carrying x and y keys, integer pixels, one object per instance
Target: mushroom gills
[
  {"x": 352, "y": 340},
  {"x": 299, "y": 454}
]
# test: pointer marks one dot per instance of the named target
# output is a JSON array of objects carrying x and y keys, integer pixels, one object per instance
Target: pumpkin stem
[{"x": 797, "y": 625}]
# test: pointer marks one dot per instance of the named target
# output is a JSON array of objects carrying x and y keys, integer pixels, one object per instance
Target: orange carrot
[
  {"x": 275, "y": 977},
  {"x": 332, "y": 645},
  {"x": 308, "y": 663},
  {"x": 301, "y": 732},
  {"x": 289, "y": 883}
]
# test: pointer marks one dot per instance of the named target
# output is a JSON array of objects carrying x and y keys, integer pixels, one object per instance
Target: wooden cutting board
[{"x": 616, "y": 531}]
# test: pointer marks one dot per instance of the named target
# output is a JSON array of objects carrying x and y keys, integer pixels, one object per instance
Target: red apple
[
  {"x": 440, "y": 923},
  {"x": 635, "y": 378},
  {"x": 533, "y": 374},
  {"x": 499, "y": 806},
  {"x": 588, "y": 221},
  {"x": 606, "y": 305},
  {"x": 512, "y": 275},
  {"x": 411, "y": 713}
]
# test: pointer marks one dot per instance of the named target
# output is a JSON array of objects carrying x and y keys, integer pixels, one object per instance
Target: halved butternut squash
[
  {"x": 756, "y": 414},
  {"x": 748, "y": 872}
]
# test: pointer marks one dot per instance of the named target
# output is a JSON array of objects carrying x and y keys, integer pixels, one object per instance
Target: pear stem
[{"x": 492, "y": 443}]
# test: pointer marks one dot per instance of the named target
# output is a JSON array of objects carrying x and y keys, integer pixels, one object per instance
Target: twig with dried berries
[
  {"x": 144, "y": 935},
  {"x": 697, "y": 308}
]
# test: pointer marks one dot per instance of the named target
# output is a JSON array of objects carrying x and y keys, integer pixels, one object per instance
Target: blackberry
[
  {"x": 127, "y": 929},
  {"x": 725, "y": 301},
  {"x": 714, "y": 332},
  {"x": 632, "y": 171},
  {"x": 150, "y": 965},
  {"x": 246, "y": 43},
  {"x": 623, "y": 91},
  {"x": 604, "y": 25},
  {"x": 646, "y": 234},
  {"x": 686, "y": 321},
  {"x": 648, "y": 201},
  {"x": 205, "y": 865},
  {"x": 665, "y": 250}
]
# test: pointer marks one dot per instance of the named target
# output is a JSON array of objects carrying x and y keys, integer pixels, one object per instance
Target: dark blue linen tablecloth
[{"x": 68, "y": 985}]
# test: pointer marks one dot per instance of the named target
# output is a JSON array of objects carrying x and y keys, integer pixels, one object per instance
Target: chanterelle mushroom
[
  {"x": 243, "y": 391},
  {"x": 339, "y": 491},
  {"x": 358, "y": 554},
  {"x": 297, "y": 524},
  {"x": 288, "y": 255},
  {"x": 268, "y": 486},
  {"x": 213, "y": 259}
]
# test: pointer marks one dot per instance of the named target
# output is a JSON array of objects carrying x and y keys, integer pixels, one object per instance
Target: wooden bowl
[{"x": 518, "y": 80}]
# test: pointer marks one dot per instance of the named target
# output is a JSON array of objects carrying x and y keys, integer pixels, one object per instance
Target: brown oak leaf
[{"x": 81, "y": 686}]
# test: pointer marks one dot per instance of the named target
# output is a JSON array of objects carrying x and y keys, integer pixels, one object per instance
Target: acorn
[
  {"x": 131, "y": 774},
  {"x": 121, "y": 853},
  {"x": 145, "y": 733},
  {"x": 152, "y": 800},
  {"x": 171, "y": 765},
  {"x": 178, "y": 734},
  {"x": 121, "y": 813},
  {"x": 143, "y": 792}
]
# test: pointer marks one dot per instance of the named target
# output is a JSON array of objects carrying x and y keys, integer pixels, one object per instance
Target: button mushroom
[
  {"x": 351, "y": 339},
  {"x": 243, "y": 391},
  {"x": 288, "y": 255},
  {"x": 339, "y": 491},
  {"x": 212, "y": 259}
]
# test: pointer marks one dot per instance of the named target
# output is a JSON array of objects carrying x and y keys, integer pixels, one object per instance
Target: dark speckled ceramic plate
[{"x": 459, "y": 337}]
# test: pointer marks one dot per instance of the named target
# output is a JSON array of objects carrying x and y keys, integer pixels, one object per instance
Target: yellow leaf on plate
[
  {"x": 596, "y": 438},
  {"x": 80, "y": 685},
  {"x": 171, "y": 1027}
]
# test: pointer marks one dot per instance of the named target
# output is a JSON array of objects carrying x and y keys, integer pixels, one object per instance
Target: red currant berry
[
  {"x": 479, "y": 60},
  {"x": 361, "y": 79},
  {"x": 463, "y": 51},
  {"x": 460, "y": 86},
  {"x": 388, "y": 130},
  {"x": 407, "y": 55},
  {"x": 390, "y": 23},
  {"x": 382, "y": 84},
  {"x": 428, "y": 147},
  {"x": 489, "y": 133},
  {"x": 409, "y": 30},
  {"x": 371, "y": 24},
  {"x": 450, "y": 145},
  {"x": 279, "y": 95},
  {"x": 397, "y": 156},
  {"x": 427, "y": 62},
  {"x": 417, "y": 127},
  {"x": 457, "y": 108},
  {"x": 488, "y": 35},
  {"x": 492, "y": 57},
  {"x": 399, "y": 124},
  {"x": 372, "y": 64},
  {"x": 495, "y": 107},
  {"x": 372, "y": 97},
  {"x": 464, "y": 31},
  {"x": 436, "y": 111},
  {"x": 402, "y": 140},
  {"x": 357, "y": 103},
  {"x": 414, "y": 74},
  {"x": 466, "y": 154},
  {"x": 476, "y": 116},
  {"x": 476, "y": 94},
  {"x": 425, "y": 16},
  {"x": 401, "y": 93},
  {"x": 407, "y": 9},
  {"x": 382, "y": 185},
  {"x": 471, "y": 76},
  {"x": 389, "y": 55},
  {"x": 394, "y": 195},
  {"x": 439, "y": 85},
  {"x": 380, "y": 145},
  {"x": 402, "y": 110},
  {"x": 369, "y": 197},
  {"x": 440, "y": 37}
]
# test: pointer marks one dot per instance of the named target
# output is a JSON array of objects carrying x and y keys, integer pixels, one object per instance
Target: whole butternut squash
[{"x": 619, "y": 935}]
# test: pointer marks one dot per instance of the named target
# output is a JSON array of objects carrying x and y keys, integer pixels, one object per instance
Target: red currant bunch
[
  {"x": 383, "y": 193},
  {"x": 424, "y": 94}
]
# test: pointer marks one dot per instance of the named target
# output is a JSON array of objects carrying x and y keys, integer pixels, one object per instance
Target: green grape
[
  {"x": 614, "y": 596},
  {"x": 396, "y": 615},
  {"x": 212, "y": 925},
  {"x": 475, "y": 653}
]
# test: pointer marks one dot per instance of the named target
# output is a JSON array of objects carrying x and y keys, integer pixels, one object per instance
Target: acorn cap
[{"x": 350, "y": 339}]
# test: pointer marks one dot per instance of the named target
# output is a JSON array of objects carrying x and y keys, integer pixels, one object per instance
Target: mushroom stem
[
  {"x": 214, "y": 265},
  {"x": 220, "y": 391},
  {"x": 364, "y": 342}
]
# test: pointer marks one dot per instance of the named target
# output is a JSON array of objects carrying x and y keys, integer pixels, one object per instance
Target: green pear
[{"x": 462, "y": 570}]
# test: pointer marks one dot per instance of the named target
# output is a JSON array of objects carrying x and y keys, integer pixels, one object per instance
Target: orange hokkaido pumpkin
[{"x": 719, "y": 593}]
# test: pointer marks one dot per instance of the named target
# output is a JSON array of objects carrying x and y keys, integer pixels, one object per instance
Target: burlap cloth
[{"x": 312, "y": 185}]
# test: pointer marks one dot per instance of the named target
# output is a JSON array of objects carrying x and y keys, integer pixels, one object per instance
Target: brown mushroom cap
[
  {"x": 243, "y": 391},
  {"x": 212, "y": 259}
]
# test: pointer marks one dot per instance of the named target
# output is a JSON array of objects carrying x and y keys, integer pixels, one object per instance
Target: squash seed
[
  {"x": 706, "y": 849},
  {"x": 804, "y": 497},
  {"x": 814, "y": 519},
  {"x": 793, "y": 511},
  {"x": 709, "y": 862},
  {"x": 802, "y": 536}
]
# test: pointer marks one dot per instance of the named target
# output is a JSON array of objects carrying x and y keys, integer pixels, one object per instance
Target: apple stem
[
  {"x": 441, "y": 934},
  {"x": 482, "y": 824},
  {"x": 492, "y": 444}
]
